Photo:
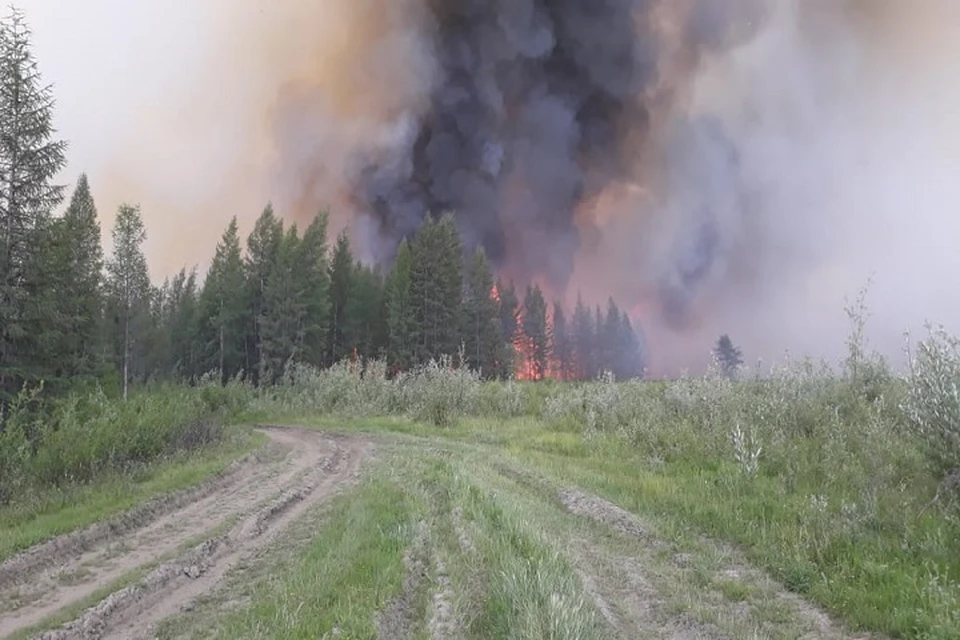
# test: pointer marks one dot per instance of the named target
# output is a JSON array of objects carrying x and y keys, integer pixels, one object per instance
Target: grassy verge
[
  {"x": 51, "y": 511},
  {"x": 877, "y": 561}
]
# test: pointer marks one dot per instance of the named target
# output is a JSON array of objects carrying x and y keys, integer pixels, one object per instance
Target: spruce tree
[
  {"x": 81, "y": 298},
  {"x": 339, "y": 329},
  {"x": 583, "y": 336},
  {"x": 535, "y": 332},
  {"x": 313, "y": 277},
  {"x": 509, "y": 312},
  {"x": 610, "y": 338},
  {"x": 481, "y": 331},
  {"x": 365, "y": 310},
  {"x": 437, "y": 285},
  {"x": 29, "y": 159},
  {"x": 399, "y": 305},
  {"x": 129, "y": 293},
  {"x": 600, "y": 362},
  {"x": 181, "y": 323},
  {"x": 223, "y": 308},
  {"x": 283, "y": 313},
  {"x": 728, "y": 357},
  {"x": 263, "y": 243},
  {"x": 561, "y": 345},
  {"x": 630, "y": 356}
]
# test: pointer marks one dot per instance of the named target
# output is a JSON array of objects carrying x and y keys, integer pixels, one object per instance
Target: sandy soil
[{"x": 184, "y": 544}]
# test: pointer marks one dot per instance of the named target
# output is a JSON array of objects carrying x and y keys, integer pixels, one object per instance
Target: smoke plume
[{"x": 720, "y": 166}]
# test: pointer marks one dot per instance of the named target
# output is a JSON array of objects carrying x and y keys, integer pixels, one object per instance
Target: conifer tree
[
  {"x": 509, "y": 307},
  {"x": 181, "y": 323},
  {"x": 600, "y": 362},
  {"x": 129, "y": 293},
  {"x": 582, "y": 332},
  {"x": 610, "y": 338},
  {"x": 263, "y": 243},
  {"x": 81, "y": 299},
  {"x": 535, "y": 334},
  {"x": 561, "y": 345},
  {"x": 481, "y": 332},
  {"x": 340, "y": 329},
  {"x": 728, "y": 356},
  {"x": 223, "y": 308},
  {"x": 368, "y": 327},
  {"x": 29, "y": 159},
  {"x": 399, "y": 304},
  {"x": 282, "y": 318},
  {"x": 437, "y": 285},
  {"x": 629, "y": 361},
  {"x": 313, "y": 275}
]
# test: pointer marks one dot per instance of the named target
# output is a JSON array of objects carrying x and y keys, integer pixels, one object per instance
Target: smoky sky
[{"x": 529, "y": 117}]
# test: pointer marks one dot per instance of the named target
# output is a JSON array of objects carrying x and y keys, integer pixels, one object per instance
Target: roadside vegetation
[{"x": 69, "y": 462}]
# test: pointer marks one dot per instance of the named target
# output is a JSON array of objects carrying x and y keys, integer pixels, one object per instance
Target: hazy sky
[{"x": 122, "y": 75}]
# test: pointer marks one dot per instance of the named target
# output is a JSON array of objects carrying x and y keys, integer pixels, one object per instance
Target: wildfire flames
[{"x": 525, "y": 365}]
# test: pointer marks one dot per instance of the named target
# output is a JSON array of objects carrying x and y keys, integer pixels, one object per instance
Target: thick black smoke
[{"x": 538, "y": 107}]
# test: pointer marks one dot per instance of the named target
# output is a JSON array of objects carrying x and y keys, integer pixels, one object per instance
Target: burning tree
[{"x": 534, "y": 343}]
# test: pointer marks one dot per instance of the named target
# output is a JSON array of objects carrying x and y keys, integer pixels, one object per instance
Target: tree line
[{"x": 69, "y": 315}]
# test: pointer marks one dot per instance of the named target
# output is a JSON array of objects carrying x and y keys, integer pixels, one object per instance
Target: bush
[
  {"x": 80, "y": 437},
  {"x": 932, "y": 405}
]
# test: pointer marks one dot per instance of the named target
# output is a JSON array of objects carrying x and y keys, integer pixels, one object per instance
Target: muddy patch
[
  {"x": 398, "y": 621},
  {"x": 600, "y": 510},
  {"x": 443, "y": 624}
]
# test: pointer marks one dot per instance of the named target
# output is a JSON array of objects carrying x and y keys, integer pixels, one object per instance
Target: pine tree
[
  {"x": 223, "y": 308},
  {"x": 263, "y": 243},
  {"x": 537, "y": 344},
  {"x": 583, "y": 336},
  {"x": 481, "y": 331},
  {"x": 313, "y": 275},
  {"x": 561, "y": 345},
  {"x": 401, "y": 319},
  {"x": 340, "y": 329},
  {"x": 728, "y": 356},
  {"x": 283, "y": 314},
  {"x": 29, "y": 160},
  {"x": 509, "y": 312},
  {"x": 129, "y": 292}
]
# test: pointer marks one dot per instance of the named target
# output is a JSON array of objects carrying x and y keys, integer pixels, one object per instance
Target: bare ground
[{"x": 184, "y": 544}]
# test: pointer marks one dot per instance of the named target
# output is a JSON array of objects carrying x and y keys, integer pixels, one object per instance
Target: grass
[{"x": 52, "y": 511}]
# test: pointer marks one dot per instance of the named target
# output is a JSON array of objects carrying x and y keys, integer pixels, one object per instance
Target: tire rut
[{"x": 253, "y": 509}]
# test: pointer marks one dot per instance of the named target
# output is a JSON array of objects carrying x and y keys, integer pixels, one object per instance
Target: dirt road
[{"x": 161, "y": 557}]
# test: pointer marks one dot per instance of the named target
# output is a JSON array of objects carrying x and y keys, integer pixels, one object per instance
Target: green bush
[{"x": 81, "y": 436}]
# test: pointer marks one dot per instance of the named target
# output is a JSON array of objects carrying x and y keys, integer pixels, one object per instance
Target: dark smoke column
[{"x": 526, "y": 121}]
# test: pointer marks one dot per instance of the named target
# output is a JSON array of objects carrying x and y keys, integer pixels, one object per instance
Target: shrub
[{"x": 932, "y": 404}]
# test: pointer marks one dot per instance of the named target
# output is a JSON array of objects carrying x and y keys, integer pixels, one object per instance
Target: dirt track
[{"x": 183, "y": 544}]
